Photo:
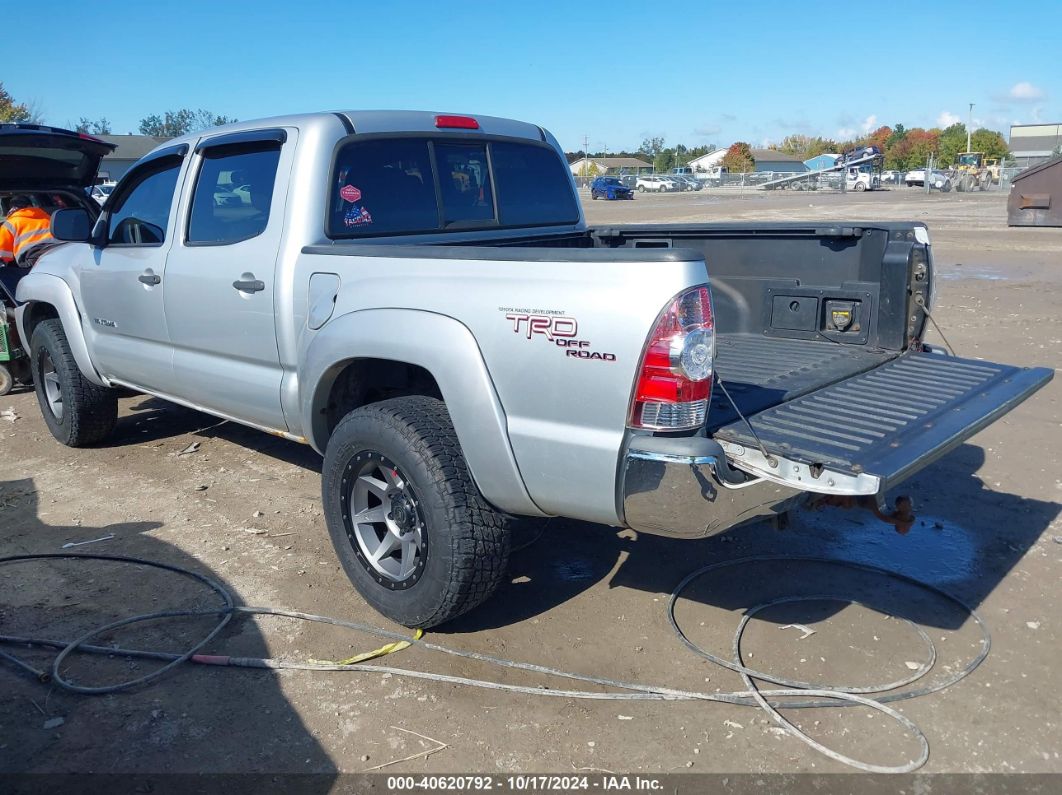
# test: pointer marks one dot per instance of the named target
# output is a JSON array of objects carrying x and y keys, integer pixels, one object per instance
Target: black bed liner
[
  {"x": 892, "y": 420},
  {"x": 759, "y": 372}
]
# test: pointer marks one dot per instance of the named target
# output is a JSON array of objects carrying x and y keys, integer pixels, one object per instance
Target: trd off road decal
[{"x": 556, "y": 328}]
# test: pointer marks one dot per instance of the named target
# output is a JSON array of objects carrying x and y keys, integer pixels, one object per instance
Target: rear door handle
[
  {"x": 149, "y": 278},
  {"x": 249, "y": 285}
]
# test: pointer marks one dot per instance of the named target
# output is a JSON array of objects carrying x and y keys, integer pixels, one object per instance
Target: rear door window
[
  {"x": 407, "y": 185},
  {"x": 384, "y": 186},
  {"x": 233, "y": 193}
]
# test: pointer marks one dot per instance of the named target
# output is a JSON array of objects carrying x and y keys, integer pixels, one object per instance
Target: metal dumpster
[{"x": 1036, "y": 196}]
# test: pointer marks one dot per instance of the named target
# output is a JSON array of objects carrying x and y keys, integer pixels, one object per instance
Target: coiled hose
[{"x": 807, "y": 695}]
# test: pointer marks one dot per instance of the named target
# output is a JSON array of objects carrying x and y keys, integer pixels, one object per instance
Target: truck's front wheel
[
  {"x": 410, "y": 528},
  {"x": 76, "y": 411}
]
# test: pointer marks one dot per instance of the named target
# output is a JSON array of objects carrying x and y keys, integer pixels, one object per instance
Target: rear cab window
[{"x": 416, "y": 184}]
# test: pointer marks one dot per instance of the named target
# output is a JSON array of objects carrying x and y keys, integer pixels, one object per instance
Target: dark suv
[{"x": 610, "y": 188}]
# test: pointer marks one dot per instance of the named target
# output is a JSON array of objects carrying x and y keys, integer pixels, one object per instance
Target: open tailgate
[{"x": 867, "y": 433}]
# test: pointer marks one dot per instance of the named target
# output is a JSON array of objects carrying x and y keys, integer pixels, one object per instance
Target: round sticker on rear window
[{"x": 350, "y": 193}]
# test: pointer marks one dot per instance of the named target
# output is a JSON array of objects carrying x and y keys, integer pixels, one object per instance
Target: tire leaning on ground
[
  {"x": 76, "y": 411},
  {"x": 412, "y": 531},
  {"x": 7, "y": 381}
]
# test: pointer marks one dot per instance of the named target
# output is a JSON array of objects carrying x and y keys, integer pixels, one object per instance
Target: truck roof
[{"x": 376, "y": 121}]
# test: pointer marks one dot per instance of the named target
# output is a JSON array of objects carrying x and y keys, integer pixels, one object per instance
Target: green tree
[
  {"x": 11, "y": 111},
  {"x": 664, "y": 161},
  {"x": 652, "y": 146},
  {"x": 98, "y": 127},
  {"x": 805, "y": 146},
  {"x": 738, "y": 158},
  {"x": 698, "y": 151},
  {"x": 899, "y": 132},
  {"x": 952, "y": 141},
  {"x": 992, "y": 143},
  {"x": 181, "y": 122}
]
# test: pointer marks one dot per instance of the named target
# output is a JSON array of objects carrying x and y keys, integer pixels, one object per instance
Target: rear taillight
[{"x": 675, "y": 378}]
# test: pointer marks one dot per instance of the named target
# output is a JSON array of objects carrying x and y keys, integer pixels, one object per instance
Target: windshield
[{"x": 407, "y": 185}]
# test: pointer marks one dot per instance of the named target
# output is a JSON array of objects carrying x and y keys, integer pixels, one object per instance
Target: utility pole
[
  {"x": 969, "y": 128},
  {"x": 586, "y": 155}
]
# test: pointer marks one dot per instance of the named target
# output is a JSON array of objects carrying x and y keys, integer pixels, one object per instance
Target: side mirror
[{"x": 72, "y": 224}]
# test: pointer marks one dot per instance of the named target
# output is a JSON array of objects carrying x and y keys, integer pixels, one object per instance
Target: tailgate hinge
[{"x": 797, "y": 475}]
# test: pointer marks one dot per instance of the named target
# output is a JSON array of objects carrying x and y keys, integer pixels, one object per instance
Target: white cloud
[
  {"x": 1026, "y": 92},
  {"x": 870, "y": 123},
  {"x": 845, "y": 134},
  {"x": 947, "y": 118}
]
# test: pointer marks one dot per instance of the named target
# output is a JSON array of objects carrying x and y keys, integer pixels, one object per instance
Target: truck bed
[{"x": 760, "y": 372}]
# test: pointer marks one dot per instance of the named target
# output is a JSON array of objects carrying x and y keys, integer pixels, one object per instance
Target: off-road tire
[
  {"x": 7, "y": 380},
  {"x": 468, "y": 542},
  {"x": 90, "y": 412}
]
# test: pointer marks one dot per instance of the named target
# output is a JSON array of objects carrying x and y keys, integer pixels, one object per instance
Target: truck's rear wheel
[
  {"x": 410, "y": 528},
  {"x": 76, "y": 411}
]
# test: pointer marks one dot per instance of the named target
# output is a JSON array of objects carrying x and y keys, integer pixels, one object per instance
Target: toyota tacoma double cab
[{"x": 418, "y": 297}]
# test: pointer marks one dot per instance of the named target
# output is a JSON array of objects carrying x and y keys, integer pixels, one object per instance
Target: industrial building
[{"x": 1033, "y": 143}]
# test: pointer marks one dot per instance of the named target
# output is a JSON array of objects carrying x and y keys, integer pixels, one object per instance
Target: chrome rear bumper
[{"x": 679, "y": 487}]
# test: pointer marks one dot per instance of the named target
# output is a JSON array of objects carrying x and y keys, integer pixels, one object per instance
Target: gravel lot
[{"x": 243, "y": 507}]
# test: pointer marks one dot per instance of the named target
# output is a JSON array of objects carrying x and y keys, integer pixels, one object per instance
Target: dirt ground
[{"x": 244, "y": 508}]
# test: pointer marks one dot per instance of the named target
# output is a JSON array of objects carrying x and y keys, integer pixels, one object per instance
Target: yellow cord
[{"x": 390, "y": 648}]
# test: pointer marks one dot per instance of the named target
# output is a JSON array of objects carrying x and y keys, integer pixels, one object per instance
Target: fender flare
[
  {"x": 445, "y": 348},
  {"x": 45, "y": 288}
]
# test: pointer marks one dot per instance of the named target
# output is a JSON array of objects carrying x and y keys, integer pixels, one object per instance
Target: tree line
[
  {"x": 902, "y": 148},
  {"x": 168, "y": 124}
]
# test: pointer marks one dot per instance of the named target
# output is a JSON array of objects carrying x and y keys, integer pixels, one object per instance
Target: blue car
[{"x": 610, "y": 188}]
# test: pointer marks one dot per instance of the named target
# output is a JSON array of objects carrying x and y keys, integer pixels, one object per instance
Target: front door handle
[
  {"x": 149, "y": 278},
  {"x": 249, "y": 285}
]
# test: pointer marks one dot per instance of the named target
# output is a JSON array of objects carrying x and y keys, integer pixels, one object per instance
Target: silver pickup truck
[{"x": 418, "y": 297}]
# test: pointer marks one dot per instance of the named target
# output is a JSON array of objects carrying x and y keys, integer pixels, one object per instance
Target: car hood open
[{"x": 35, "y": 157}]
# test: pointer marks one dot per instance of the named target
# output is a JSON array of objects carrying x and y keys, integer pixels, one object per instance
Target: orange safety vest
[{"x": 24, "y": 229}]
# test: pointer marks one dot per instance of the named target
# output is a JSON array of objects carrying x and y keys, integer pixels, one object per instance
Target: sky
[{"x": 613, "y": 72}]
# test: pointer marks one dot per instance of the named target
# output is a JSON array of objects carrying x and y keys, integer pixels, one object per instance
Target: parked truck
[{"x": 418, "y": 297}]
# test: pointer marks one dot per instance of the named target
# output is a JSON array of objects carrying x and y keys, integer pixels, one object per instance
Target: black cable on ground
[{"x": 822, "y": 695}]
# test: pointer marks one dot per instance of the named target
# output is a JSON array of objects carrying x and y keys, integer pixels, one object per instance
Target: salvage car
[
  {"x": 610, "y": 188},
  {"x": 418, "y": 297},
  {"x": 655, "y": 183},
  {"x": 937, "y": 179}
]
